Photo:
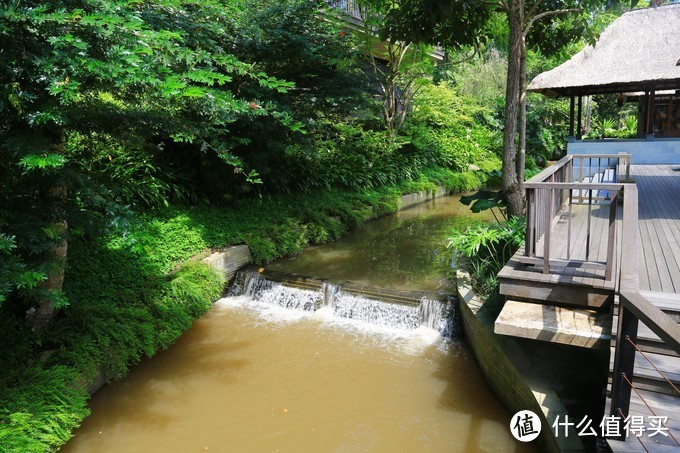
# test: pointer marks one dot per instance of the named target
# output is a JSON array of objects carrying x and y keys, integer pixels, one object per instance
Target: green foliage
[
  {"x": 484, "y": 250},
  {"x": 95, "y": 91},
  {"x": 613, "y": 118},
  {"x": 547, "y": 128},
  {"x": 40, "y": 408},
  {"x": 483, "y": 78}
]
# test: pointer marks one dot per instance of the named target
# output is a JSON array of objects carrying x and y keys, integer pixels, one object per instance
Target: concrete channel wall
[
  {"x": 411, "y": 199},
  {"x": 509, "y": 373}
]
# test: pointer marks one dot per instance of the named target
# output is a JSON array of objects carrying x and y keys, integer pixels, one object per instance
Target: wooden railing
[
  {"x": 349, "y": 7},
  {"x": 633, "y": 308},
  {"x": 574, "y": 180},
  {"x": 578, "y": 179}
]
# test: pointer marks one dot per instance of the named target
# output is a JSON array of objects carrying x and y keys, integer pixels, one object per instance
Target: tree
[
  {"x": 93, "y": 66},
  {"x": 456, "y": 23},
  {"x": 399, "y": 66}
]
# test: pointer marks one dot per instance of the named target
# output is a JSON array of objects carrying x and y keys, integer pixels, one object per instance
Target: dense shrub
[{"x": 485, "y": 248}]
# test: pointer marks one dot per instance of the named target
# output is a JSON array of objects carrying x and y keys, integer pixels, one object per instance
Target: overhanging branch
[{"x": 557, "y": 12}]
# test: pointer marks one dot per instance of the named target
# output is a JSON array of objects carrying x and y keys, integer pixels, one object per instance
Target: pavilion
[{"x": 637, "y": 58}]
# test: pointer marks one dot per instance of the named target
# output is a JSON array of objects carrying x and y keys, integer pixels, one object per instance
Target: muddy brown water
[{"x": 251, "y": 376}]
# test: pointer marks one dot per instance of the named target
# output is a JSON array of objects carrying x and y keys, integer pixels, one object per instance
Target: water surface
[
  {"x": 405, "y": 250},
  {"x": 252, "y": 377}
]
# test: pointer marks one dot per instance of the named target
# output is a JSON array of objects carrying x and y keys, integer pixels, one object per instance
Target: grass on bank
[{"x": 131, "y": 296}]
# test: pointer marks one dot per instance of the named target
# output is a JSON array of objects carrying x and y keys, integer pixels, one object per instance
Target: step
[
  {"x": 575, "y": 327},
  {"x": 579, "y": 288}
]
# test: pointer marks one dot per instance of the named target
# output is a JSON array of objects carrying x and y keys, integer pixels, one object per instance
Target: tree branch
[
  {"x": 533, "y": 10},
  {"x": 557, "y": 12}
]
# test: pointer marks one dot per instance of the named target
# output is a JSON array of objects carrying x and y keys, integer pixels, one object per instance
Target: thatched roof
[{"x": 637, "y": 52}]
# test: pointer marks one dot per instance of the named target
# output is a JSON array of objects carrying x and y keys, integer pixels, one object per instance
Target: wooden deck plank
[
  {"x": 669, "y": 365},
  {"x": 649, "y": 259},
  {"x": 656, "y": 228},
  {"x": 660, "y": 215}
]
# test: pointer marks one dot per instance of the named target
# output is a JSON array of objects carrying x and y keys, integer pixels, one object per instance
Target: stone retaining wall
[
  {"x": 509, "y": 374},
  {"x": 230, "y": 260}
]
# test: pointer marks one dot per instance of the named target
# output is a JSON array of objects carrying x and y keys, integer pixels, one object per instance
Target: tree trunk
[
  {"x": 56, "y": 257},
  {"x": 511, "y": 186},
  {"x": 521, "y": 154}
]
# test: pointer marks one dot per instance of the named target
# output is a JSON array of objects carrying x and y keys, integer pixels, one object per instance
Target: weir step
[
  {"x": 371, "y": 292},
  {"x": 575, "y": 327},
  {"x": 378, "y": 306}
]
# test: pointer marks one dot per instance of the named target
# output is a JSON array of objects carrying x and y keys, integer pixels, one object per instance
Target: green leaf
[
  {"x": 30, "y": 279},
  {"x": 483, "y": 199},
  {"x": 42, "y": 161},
  {"x": 194, "y": 92},
  {"x": 7, "y": 243}
]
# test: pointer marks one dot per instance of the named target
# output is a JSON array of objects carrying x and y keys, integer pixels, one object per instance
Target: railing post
[
  {"x": 624, "y": 364},
  {"x": 611, "y": 239},
  {"x": 529, "y": 237},
  {"x": 546, "y": 233},
  {"x": 580, "y": 178}
]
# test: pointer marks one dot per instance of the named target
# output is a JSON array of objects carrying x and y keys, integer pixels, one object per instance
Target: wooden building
[{"x": 637, "y": 58}]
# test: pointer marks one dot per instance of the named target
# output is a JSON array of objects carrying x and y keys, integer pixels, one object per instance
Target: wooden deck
[
  {"x": 659, "y": 219},
  {"x": 576, "y": 277}
]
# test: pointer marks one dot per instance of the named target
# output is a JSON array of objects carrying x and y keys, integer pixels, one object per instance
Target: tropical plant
[{"x": 485, "y": 248}]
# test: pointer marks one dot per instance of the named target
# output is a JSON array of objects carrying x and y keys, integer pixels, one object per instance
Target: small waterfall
[
  {"x": 256, "y": 286},
  {"x": 437, "y": 315},
  {"x": 299, "y": 294},
  {"x": 330, "y": 292},
  {"x": 376, "y": 312}
]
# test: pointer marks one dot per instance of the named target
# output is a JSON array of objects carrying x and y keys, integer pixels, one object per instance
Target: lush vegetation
[{"x": 135, "y": 135}]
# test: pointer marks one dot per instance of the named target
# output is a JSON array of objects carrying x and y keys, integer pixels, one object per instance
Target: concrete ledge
[
  {"x": 510, "y": 373},
  {"x": 415, "y": 198},
  {"x": 582, "y": 328},
  {"x": 230, "y": 260}
]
